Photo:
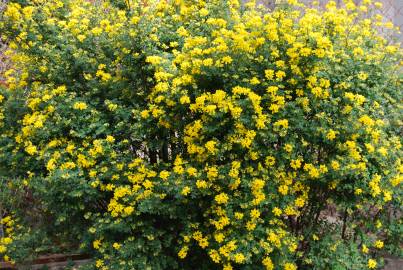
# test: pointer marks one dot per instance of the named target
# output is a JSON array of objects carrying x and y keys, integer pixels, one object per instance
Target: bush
[{"x": 183, "y": 134}]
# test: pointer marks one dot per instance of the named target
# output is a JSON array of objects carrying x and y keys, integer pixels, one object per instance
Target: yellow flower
[
  {"x": 378, "y": 244},
  {"x": 191, "y": 171},
  {"x": 183, "y": 252},
  {"x": 212, "y": 172},
  {"x": 13, "y": 12},
  {"x": 290, "y": 266},
  {"x": 293, "y": 2},
  {"x": 250, "y": 226},
  {"x": 219, "y": 237},
  {"x": 254, "y": 214},
  {"x": 215, "y": 256},
  {"x": 238, "y": 215},
  {"x": 112, "y": 107},
  {"x": 281, "y": 123},
  {"x": 116, "y": 246},
  {"x": 372, "y": 264},
  {"x": 227, "y": 267},
  {"x": 383, "y": 151},
  {"x": 288, "y": 147},
  {"x": 272, "y": 90},
  {"x": 81, "y": 38},
  {"x": 145, "y": 114},
  {"x": 197, "y": 235},
  {"x": 296, "y": 164},
  {"x": 203, "y": 12},
  {"x": 28, "y": 11},
  {"x": 31, "y": 149},
  {"x": 185, "y": 191},
  {"x": 164, "y": 175},
  {"x": 110, "y": 139},
  {"x": 370, "y": 147},
  {"x": 239, "y": 258},
  {"x": 365, "y": 249},
  {"x": 96, "y": 244},
  {"x": 51, "y": 165},
  {"x": 283, "y": 189},
  {"x": 366, "y": 120},
  {"x": 210, "y": 146},
  {"x": 128, "y": 210},
  {"x": 299, "y": 202},
  {"x": 270, "y": 161},
  {"x": 277, "y": 211},
  {"x": 387, "y": 196},
  {"x": 179, "y": 169},
  {"x": 335, "y": 165},
  {"x": 331, "y": 135},
  {"x": 203, "y": 243},
  {"x": 362, "y": 76},
  {"x": 267, "y": 263},
  {"x": 378, "y": 4},
  {"x": 201, "y": 184},
  {"x": 226, "y": 59},
  {"x": 97, "y": 31},
  {"x": 254, "y": 81},
  {"x": 280, "y": 74},
  {"x": 80, "y": 106},
  {"x": 221, "y": 198},
  {"x": 154, "y": 60},
  {"x": 99, "y": 263},
  {"x": 182, "y": 31},
  {"x": 184, "y": 100},
  {"x": 358, "y": 51}
]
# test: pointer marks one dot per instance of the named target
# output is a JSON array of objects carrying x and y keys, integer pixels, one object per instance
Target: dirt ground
[{"x": 394, "y": 264}]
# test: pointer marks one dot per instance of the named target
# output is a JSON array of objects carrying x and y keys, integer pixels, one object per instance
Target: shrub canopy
[{"x": 207, "y": 134}]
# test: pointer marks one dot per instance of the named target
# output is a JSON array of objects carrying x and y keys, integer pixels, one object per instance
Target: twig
[{"x": 343, "y": 232}]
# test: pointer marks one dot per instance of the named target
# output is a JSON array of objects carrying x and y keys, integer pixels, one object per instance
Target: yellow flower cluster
[{"x": 8, "y": 225}]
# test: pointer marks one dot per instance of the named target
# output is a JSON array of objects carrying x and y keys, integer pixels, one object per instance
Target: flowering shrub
[{"x": 175, "y": 134}]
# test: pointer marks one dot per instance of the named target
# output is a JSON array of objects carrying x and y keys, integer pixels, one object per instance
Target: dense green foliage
[{"x": 200, "y": 134}]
